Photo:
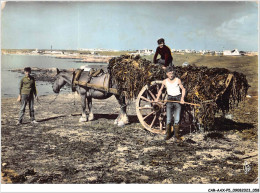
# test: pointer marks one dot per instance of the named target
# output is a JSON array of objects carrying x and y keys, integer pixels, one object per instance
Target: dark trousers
[
  {"x": 26, "y": 98},
  {"x": 162, "y": 62}
]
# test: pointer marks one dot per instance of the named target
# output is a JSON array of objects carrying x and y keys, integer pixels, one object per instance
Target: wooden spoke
[
  {"x": 149, "y": 114},
  {"x": 161, "y": 125},
  {"x": 157, "y": 88},
  {"x": 163, "y": 99},
  {"x": 142, "y": 97},
  {"x": 151, "y": 94},
  {"x": 153, "y": 121},
  {"x": 164, "y": 96},
  {"x": 140, "y": 108}
]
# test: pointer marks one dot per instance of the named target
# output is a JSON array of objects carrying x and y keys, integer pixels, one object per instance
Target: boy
[
  {"x": 26, "y": 91},
  {"x": 165, "y": 53},
  {"x": 173, "y": 86}
]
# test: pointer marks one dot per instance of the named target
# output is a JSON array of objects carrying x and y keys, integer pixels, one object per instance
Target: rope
[
  {"x": 38, "y": 100},
  {"x": 74, "y": 100},
  {"x": 54, "y": 99}
]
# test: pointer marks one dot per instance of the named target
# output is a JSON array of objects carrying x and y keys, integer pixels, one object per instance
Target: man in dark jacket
[
  {"x": 27, "y": 91},
  {"x": 165, "y": 53}
]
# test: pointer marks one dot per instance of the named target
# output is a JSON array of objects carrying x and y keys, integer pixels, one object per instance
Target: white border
[
  {"x": 126, "y": 187},
  {"x": 133, "y": 187}
]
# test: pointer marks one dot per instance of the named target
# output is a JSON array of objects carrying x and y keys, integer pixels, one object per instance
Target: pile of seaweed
[{"x": 216, "y": 89}]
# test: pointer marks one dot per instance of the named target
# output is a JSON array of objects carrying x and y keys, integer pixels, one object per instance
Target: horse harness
[{"x": 103, "y": 86}]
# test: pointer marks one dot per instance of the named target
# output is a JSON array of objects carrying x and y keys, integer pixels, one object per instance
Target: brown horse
[{"x": 86, "y": 94}]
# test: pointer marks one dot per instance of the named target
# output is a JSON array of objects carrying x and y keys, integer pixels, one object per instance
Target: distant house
[
  {"x": 234, "y": 52},
  {"x": 187, "y": 51},
  {"x": 94, "y": 53},
  {"x": 202, "y": 52},
  {"x": 53, "y": 52},
  {"x": 69, "y": 53},
  {"x": 47, "y": 52},
  {"x": 35, "y": 51},
  {"x": 218, "y": 53},
  {"x": 57, "y": 52},
  {"x": 242, "y": 53},
  {"x": 145, "y": 52}
]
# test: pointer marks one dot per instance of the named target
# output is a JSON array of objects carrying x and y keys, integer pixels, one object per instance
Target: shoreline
[
  {"x": 44, "y": 95},
  {"x": 81, "y": 58},
  {"x": 237, "y": 64}
]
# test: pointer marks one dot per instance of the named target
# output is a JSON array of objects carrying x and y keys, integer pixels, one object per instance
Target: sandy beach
[{"x": 59, "y": 149}]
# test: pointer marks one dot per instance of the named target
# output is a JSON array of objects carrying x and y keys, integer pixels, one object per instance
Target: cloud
[
  {"x": 242, "y": 30},
  {"x": 213, "y": 14},
  {"x": 235, "y": 28},
  {"x": 132, "y": 24}
]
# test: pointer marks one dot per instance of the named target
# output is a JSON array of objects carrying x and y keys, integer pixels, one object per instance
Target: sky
[{"x": 130, "y": 25}]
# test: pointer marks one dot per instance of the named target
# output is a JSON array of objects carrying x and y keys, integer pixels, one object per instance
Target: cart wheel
[{"x": 150, "y": 114}]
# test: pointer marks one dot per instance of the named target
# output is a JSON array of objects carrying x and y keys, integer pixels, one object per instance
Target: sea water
[{"x": 10, "y": 80}]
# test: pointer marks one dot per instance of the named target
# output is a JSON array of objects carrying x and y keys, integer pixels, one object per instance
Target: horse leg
[
  {"x": 91, "y": 115},
  {"x": 83, "y": 118},
  {"x": 119, "y": 117},
  {"x": 122, "y": 118}
]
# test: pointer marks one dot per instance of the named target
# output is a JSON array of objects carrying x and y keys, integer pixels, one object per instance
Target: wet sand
[{"x": 61, "y": 150}]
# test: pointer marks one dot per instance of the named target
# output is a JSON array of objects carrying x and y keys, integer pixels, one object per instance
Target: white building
[
  {"x": 145, "y": 52},
  {"x": 234, "y": 52},
  {"x": 35, "y": 51},
  {"x": 53, "y": 52},
  {"x": 187, "y": 51}
]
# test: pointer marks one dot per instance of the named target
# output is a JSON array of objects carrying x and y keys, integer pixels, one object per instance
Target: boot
[
  {"x": 176, "y": 132},
  {"x": 172, "y": 129},
  {"x": 168, "y": 132}
]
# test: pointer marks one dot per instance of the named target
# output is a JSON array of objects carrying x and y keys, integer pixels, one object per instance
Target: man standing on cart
[
  {"x": 165, "y": 53},
  {"x": 173, "y": 85}
]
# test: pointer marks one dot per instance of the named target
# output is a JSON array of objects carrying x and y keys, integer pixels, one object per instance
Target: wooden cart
[{"x": 151, "y": 114}]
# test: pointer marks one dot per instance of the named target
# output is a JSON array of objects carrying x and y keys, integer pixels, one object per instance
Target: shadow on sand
[{"x": 220, "y": 125}]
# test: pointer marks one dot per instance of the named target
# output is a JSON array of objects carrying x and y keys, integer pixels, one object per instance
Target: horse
[{"x": 87, "y": 94}]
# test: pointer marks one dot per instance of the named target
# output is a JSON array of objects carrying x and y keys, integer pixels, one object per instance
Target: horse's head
[{"x": 61, "y": 79}]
